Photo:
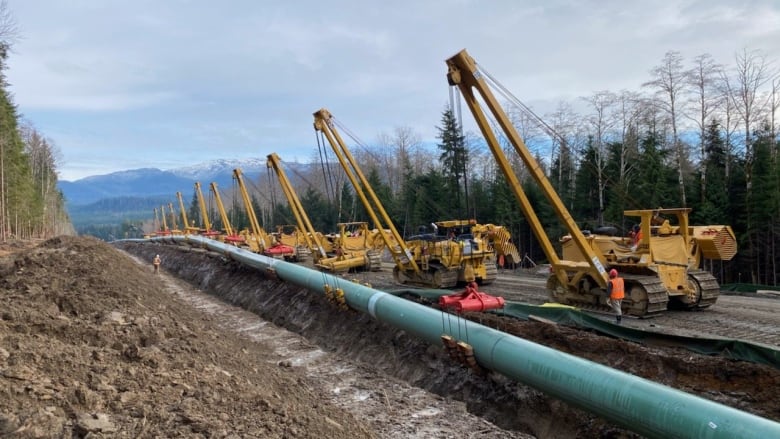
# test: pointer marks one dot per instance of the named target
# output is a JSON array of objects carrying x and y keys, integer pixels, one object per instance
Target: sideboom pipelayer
[
  {"x": 661, "y": 270},
  {"x": 425, "y": 262}
]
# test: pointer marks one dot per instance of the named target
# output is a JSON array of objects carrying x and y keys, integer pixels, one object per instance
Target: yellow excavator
[
  {"x": 432, "y": 261},
  {"x": 337, "y": 256},
  {"x": 662, "y": 268},
  {"x": 258, "y": 240}
]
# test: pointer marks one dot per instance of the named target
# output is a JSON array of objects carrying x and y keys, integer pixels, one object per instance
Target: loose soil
[{"x": 93, "y": 344}]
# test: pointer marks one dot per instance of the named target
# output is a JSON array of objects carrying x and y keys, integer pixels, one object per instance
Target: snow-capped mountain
[
  {"x": 152, "y": 182},
  {"x": 206, "y": 171}
]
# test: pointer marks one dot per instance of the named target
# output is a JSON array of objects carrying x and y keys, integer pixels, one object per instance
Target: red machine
[
  {"x": 471, "y": 300},
  {"x": 279, "y": 251}
]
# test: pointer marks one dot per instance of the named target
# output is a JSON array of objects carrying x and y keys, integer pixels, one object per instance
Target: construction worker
[
  {"x": 636, "y": 237},
  {"x": 156, "y": 262},
  {"x": 616, "y": 293}
]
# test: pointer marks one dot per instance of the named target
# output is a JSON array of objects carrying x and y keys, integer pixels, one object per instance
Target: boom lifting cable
[
  {"x": 538, "y": 120},
  {"x": 457, "y": 113},
  {"x": 325, "y": 165},
  {"x": 343, "y": 128},
  {"x": 234, "y": 205},
  {"x": 282, "y": 214},
  {"x": 272, "y": 190},
  {"x": 255, "y": 189},
  {"x": 334, "y": 123},
  {"x": 358, "y": 142},
  {"x": 210, "y": 210},
  {"x": 297, "y": 174}
]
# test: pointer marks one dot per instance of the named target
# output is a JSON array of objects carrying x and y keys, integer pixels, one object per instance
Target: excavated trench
[{"x": 503, "y": 402}]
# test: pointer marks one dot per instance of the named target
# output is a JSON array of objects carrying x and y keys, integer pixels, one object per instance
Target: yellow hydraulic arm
[
  {"x": 175, "y": 229},
  {"x": 258, "y": 233},
  {"x": 187, "y": 227},
  {"x": 157, "y": 227},
  {"x": 400, "y": 251},
  {"x": 304, "y": 223},
  {"x": 164, "y": 221},
  {"x": 204, "y": 215},
  {"x": 464, "y": 73},
  {"x": 231, "y": 235}
]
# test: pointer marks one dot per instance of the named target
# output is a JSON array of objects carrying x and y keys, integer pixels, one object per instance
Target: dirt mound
[{"x": 89, "y": 348}]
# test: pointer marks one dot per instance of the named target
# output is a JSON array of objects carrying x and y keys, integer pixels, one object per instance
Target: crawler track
[
  {"x": 374, "y": 262},
  {"x": 646, "y": 296},
  {"x": 753, "y": 319},
  {"x": 491, "y": 273},
  {"x": 710, "y": 290},
  {"x": 436, "y": 277}
]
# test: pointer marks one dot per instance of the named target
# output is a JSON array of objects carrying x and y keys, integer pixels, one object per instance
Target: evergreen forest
[{"x": 31, "y": 206}]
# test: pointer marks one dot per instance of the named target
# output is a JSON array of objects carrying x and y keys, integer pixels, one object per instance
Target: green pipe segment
[{"x": 639, "y": 405}]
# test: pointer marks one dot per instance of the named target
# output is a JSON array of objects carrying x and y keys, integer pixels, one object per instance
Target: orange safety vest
[{"x": 618, "y": 291}]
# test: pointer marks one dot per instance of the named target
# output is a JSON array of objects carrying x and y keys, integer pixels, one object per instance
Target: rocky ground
[{"x": 93, "y": 344}]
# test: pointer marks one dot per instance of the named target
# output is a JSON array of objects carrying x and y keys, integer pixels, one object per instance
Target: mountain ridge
[
  {"x": 130, "y": 195},
  {"x": 142, "y": 182}
]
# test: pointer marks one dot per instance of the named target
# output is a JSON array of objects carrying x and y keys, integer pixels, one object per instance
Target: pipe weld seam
[{"x": 372, "y": 301}]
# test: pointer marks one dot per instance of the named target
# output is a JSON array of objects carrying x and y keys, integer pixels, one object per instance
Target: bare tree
[
  {"x": 529, "y": 131},
  {"x": 627, "y": 116},
  {"x": 774, "y": 105},
  {"x": 600, "y": 122},
  {"x": 669, "y": 83},
  {"x": 401, "y": 154},
  {"x": 481, "y": 160},
  {"x": 9, "y": 30},
  {"x": 750, "y": 74},
  {"x": 702, "y": 80},
  {"x": 730, "y": 125}
]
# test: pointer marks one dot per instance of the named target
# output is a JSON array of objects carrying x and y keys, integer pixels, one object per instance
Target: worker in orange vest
[
  {"x": 636, "y": 237},
  {"x": 616, "y": 292}
]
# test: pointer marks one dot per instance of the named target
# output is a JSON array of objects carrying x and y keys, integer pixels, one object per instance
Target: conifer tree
[{"x": 454, "y": 159}]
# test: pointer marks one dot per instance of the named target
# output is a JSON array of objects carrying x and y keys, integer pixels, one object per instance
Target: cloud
[{"x": 188, "y": 80}]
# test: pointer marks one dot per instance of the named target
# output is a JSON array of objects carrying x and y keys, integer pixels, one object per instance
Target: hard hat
[
  {"x": 613, "y": 273},
  {"x": 636, "y": 227},
  {"x": 157, "y": 256}
]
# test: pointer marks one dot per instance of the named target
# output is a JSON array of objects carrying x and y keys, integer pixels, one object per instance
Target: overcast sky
[{"x": 168, "y": 83}]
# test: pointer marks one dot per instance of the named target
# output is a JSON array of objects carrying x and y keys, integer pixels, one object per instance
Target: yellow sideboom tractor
[{"x": 663, "y": 268}]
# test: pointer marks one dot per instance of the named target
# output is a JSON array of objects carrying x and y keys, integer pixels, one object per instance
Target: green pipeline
[{"x": 639, "y": 405}]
